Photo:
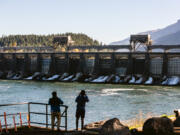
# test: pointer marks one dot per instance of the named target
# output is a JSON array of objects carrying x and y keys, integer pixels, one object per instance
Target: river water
[{"x": 106, "y": 100}]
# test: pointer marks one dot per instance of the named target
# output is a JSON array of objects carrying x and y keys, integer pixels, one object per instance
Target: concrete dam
[{"x": 93, "y": 67}]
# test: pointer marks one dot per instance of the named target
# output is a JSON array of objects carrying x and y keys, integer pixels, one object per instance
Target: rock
[
  {"x": 158, "y": 126},
  {"x": 95, "y": 126},
  {"x": 114, "y": 127}
]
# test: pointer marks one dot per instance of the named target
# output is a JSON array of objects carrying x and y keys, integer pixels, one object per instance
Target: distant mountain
[
  {"x": 166, "y": 36},
  {"x": 169, "y": 39}
]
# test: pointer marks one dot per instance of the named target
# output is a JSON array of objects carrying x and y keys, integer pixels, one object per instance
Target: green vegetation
[{"x": 44, "y": 40}]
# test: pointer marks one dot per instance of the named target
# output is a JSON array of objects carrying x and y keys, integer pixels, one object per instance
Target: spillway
[
  {"x": 74, "y": 64},
  {"x": 33, "y": 63},
  {"x": 60, "y": 63},
  {"x": 139, "y": 81},
  {"x": 174, "y": 80},
  {"x": 105, "y": 64},
  {"x": 89, "y": 65},
  {"x": 149, "y": 80},
  {"x": 132, "y": 80},
  {"x": 45, "y": 64},
  {"x": 54, "y": 77},
  {"x": 173, "y": 66},
  {"x": 121, "y": 64},
  {"x": 116, "y": 67},
  {"x": 156, "y": 65}
]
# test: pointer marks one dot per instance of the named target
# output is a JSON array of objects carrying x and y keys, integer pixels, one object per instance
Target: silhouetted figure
[
  {"x": 176, "y": 113},
  {"x": 55, "y": 103},
  {"x": 80, "y": 111},
  {"x": 176, "y": 122}
]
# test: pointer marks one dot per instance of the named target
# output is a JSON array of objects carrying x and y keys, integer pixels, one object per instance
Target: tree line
[{"x": 44, "y": 40}]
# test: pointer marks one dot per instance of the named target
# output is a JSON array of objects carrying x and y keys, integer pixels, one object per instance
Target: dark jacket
[
  {"x": 55, "y": 103},
  {"x": 81, "y": 102}
]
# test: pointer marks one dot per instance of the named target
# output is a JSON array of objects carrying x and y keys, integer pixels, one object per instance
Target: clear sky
[{"x": 104, "y": 20}]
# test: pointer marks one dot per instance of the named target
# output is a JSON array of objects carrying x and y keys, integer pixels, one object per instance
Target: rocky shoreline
[{"x": 151, "y": 126}]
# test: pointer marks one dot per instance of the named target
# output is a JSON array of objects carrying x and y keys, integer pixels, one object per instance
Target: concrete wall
[{"x": 154, "y": 64}]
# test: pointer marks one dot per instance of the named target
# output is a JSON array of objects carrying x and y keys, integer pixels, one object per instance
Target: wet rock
[
  {"x": 114, "y": 127},
  {"x": 158, "y": 126}
]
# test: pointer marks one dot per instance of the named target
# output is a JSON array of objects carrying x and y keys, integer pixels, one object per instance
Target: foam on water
[
  {"x": 116, "y": 89},
  {"x": 109, "y": 94},
  {"x": 121, "y": 89}
]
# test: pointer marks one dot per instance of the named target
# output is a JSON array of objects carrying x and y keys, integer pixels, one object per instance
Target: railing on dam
[
  {"x": 27, "y": 114},
  {"x": 82, "y": 48}
]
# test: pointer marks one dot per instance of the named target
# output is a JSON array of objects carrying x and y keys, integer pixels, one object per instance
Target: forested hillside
[{"x": 44, "y": 40}]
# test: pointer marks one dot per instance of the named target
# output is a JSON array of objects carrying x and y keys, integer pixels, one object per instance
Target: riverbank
[
  {"x": 33, "y": 130},
  {"x": 106, "y": 127}
]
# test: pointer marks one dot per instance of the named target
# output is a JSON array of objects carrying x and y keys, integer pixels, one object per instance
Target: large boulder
[
  {"x": 114, "y": 127},
  {"x": 158, "y": 126}
]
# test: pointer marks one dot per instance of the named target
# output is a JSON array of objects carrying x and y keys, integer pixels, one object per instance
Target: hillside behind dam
[{"x": 44, "y": 40}]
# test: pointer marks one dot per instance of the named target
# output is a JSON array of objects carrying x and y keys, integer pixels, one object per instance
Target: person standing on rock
[
  {"x": 80, "y": 111},
  {"x": 55, "y": 103}
]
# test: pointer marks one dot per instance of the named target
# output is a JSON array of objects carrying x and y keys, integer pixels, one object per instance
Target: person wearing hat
[
  {"x": 81, "y": 100},
  {"x": 55, "y": 103}
]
